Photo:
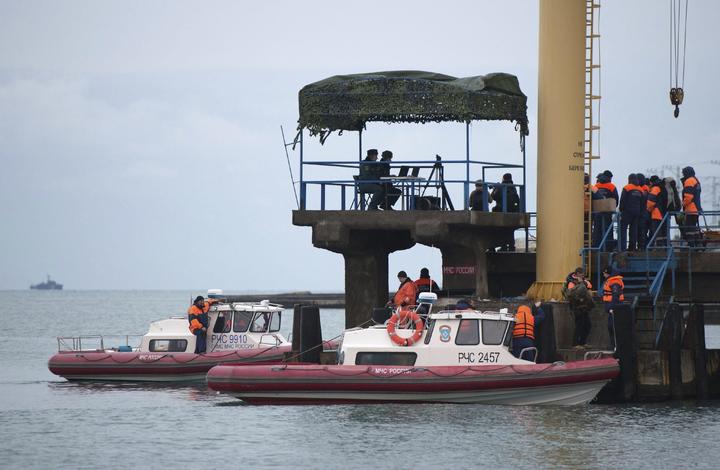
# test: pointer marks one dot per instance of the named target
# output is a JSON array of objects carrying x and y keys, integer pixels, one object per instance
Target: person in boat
[
  {"x": 406, "y": 293},
  {"x": 425, "y": 284},
  {"x": 577, "y": 292},
  {"x": 612, "y": 297},
  {"x": 526, "y": 319},
  {"x": 198, "y": 321}
]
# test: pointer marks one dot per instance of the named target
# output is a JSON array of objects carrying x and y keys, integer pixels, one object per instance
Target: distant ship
[{"x": 47, "y": 285}]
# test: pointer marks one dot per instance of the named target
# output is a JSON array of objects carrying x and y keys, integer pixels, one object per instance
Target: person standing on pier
[
  {"x": 612, "y": 297},
  {"x": 633, "y": 203},
  {"x": 406, "y": 293},
  {"x": 603, "y": 189},
  {"x": 656, "y": 207},
  {"x": 577, "y": 292},
  {"x": 691, "y": 205},
  {"x": 198, "y": 321}
]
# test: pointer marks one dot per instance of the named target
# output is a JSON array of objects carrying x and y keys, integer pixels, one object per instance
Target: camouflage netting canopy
[{"x": 347, "y": 102}]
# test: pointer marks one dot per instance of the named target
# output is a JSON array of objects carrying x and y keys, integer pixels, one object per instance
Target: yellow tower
[{"x": 560, "y": 153}]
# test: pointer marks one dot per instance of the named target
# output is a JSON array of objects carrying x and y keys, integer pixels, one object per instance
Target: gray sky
[{"x": 140, "y": 142}]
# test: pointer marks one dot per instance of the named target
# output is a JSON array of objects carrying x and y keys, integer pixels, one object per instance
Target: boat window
[
  {"x": 260, "y": 325},
  {"x": 168, "y": 345},
  {"x": 430, "y": 327},
  {"x": 493, "y": 331},
  {"x": 241, "y": 321},
  {"x": 222, "y": 324},
  {"x": 275, "y": 322},
  {"x": 468, "y": 333},
  {"x": 386, "y": 358}
]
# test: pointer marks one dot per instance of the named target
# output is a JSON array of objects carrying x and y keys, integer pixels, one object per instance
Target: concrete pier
[{"x": 365, "y": 239}]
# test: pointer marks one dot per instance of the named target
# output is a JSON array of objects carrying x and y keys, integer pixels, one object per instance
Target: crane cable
[{"x": 677, "y": 92}]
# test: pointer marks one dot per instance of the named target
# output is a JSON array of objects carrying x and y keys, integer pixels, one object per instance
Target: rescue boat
[
  {"x": 237, "y": 332},
  {"x": 450, "y": 356}
]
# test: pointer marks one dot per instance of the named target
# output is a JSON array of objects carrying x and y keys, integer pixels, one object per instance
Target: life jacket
[
  {"x": 406, "y": 294},
  {"x": 571, "y": 284},
  {"x": 605, "y": 190},
  {"x": 524, "y": 323},
  {"x": 198, "y": 318},
  {"x": 691, "y": 195},
  {"x": 607, "y": 288},
  {"x": 424, "y": 284},
  {"x": 654, "y": 205},
  {"x": 633, "y": 199}
]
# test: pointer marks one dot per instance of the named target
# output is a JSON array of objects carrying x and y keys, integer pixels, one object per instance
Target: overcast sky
[{"x": 140, "y": 141}]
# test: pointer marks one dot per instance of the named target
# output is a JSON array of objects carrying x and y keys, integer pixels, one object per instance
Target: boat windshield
[
  {"x": 241, "y": 321},
  {"x": 261, "y": 322},
  {"x": 493, "y": 331}
]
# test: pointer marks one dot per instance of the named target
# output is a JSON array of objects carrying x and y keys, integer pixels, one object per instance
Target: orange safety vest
[
  {"x": 607, "y": 288},
  {"x": 652, "y": 201},
  {"x": 406, "y": 295},
  {"x": 689, "y": 191},
  {"x": 524, "y": 323},
  {"x": 195, "y": 315},
  {"x": 588, "y": 286}
]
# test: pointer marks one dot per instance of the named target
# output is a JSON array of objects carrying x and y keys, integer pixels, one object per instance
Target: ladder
[{"x": 591, "y": 126}]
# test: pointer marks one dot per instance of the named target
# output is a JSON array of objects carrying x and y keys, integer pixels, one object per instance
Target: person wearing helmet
[{"x": 691, "y": 204}]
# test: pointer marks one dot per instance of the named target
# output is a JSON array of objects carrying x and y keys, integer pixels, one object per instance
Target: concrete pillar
[
  {"x": 561, "y": 93},
  {"x": 366, "y": 286},
  {"x": 465, "y": 263}
]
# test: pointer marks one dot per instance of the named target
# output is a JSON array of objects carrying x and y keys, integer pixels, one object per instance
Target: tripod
[{"x": 439, "y": 182}]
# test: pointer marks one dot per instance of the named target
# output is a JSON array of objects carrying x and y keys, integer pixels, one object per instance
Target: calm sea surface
[{"x": 46, "y": 422}]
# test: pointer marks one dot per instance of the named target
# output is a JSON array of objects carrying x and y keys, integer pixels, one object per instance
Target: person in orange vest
[
  {"x": 644, "y": 221},
  {"x": 612, "y": 297},
  {"x": 656, "y": 208},
  {"x": 632, "y": 205},
  {"x": 198, "y": 321},
  {"x": 603, "y": 189},
  {"x": 526, "y": 319},
  {"x": 425, "y": 284},
  {"x": 691, "y": 204},
  {"x": 406, "y": 293}
]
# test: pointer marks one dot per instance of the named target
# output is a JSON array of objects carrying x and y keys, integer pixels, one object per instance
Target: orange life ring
[{"x": 401, "y": 316}]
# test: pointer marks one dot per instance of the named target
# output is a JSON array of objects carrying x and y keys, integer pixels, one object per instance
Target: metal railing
[
  {"x": 96, "y": 342},
  {"x": 347, "y": 192}
]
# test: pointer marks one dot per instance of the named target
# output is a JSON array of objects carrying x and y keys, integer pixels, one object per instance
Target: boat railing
[
  {"x": 532, "y": 349},
  {"x": 97, "y": 342}
]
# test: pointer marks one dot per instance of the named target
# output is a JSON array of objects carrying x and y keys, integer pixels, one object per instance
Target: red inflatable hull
[{"x": 560, "y": 383}]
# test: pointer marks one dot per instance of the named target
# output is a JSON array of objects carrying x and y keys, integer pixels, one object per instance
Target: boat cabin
[
  {"x": 231, "y": 326},
  {"x": 449, "y": 338}
]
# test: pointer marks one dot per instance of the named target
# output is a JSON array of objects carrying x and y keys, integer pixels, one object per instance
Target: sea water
[{"x": 47, "y": 422}]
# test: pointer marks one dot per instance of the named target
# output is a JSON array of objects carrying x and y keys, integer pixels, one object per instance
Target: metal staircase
[
  {"x": 592, "y": 116},
  {"x": 643, "y": 277}
]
